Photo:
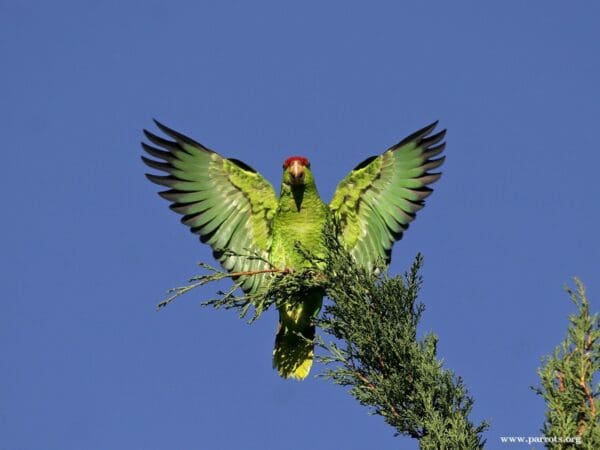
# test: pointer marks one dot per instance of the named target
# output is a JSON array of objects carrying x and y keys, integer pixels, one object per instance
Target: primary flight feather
[{"x": 236, "y": 211}]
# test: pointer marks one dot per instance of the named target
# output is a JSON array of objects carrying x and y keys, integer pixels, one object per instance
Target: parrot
[{"x": 250, "y": 229}]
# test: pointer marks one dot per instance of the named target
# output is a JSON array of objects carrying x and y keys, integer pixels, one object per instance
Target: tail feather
[
  {"x": 294, "y": 352},
  {"x": 294, "y": 344}
]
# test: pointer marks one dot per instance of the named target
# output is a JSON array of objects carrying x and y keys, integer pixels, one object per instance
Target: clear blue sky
[{"x": 88, "y": 248}]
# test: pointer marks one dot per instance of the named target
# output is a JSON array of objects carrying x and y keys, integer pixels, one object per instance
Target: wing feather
[
  {"x": 376, "y": 202},
  {"x": 226, "y": 202}
]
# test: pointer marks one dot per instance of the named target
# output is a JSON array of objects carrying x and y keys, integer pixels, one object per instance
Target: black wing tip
[
  {"x": 428, "y": 129},
  {"x": 434, "y": 163},
  {"x": 157, "y": 140},
  {"x": 432, "y": 125},
  {"x": 153, "y": 151},
  {"x": 152, "y": 177},
  {"x": 441, "y": 133},
  {"x": 146, "y": 160},
  {"x": 441, "y": 160},
  {"x": 158, "y": 124},
  {"x": 420, "y": 135},
  {"x": 149, "y": 135},
  {"x": 162, "y": 180},
  {"x": 158, "y": 165},
  {"x": 165, "y": 129},
  {"x": 169, "y": 131},
  {"x": 430, "y": 140},
  {"x": 179, "y": 137},
  {"x": 430, "y": 178},
  {"x": 437, "y": 148}
]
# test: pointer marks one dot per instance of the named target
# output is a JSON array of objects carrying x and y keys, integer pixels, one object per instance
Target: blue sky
[{"x": 88, "y": 248}]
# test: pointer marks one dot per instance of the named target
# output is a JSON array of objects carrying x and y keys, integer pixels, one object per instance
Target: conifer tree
[{"x": 570, "y": 381}]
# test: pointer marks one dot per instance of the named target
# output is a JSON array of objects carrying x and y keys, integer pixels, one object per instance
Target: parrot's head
[{"x": 296, "y": 171}]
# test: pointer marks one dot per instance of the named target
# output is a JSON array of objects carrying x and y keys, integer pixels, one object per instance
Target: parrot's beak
[{"x": 297, "y": 172}]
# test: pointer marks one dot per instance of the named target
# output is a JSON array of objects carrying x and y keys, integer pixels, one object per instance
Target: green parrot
[{"x": 236, "y": 211}]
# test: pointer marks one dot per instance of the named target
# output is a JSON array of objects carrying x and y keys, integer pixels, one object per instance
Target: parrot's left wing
[
  {"x": 225, "y": 201},
  {"x": 376, "y": 202}
]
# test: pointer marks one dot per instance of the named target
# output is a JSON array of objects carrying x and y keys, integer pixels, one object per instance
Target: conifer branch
[
  {"x": 377, "y": 354},
  {"x": 567, "y": 378},
  {"x": 214, "y": 275}
]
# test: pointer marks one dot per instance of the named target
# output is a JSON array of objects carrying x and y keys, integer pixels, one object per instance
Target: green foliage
[
  {"x": 567, "y": 378},
  {"x": 375, "y": 350},
  {"x": 377, "y": 354},
  {"x": 285, "y": 284}
]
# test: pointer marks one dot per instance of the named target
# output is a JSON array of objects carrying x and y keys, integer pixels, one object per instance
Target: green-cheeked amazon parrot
[{"x": 236, "y": 211}]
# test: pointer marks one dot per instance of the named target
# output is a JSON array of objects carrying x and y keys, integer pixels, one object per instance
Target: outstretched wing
[
  {"x": 377, "y": 201},
  {"x": 226, "y": 202}
]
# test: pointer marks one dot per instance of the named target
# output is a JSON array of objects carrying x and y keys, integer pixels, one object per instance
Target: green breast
[{"x": 298, "y": 219}]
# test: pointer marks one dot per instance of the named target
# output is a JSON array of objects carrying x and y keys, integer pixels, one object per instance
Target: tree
[{"x": 567, "y": 378}]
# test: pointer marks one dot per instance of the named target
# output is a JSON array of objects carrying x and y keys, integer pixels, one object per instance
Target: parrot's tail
[
  {"x": 294, "y": 351},
  {"x": 294, "y": 344}
]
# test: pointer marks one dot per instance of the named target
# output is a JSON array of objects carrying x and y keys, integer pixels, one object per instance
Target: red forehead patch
[{"x": 304, "y": 161}]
